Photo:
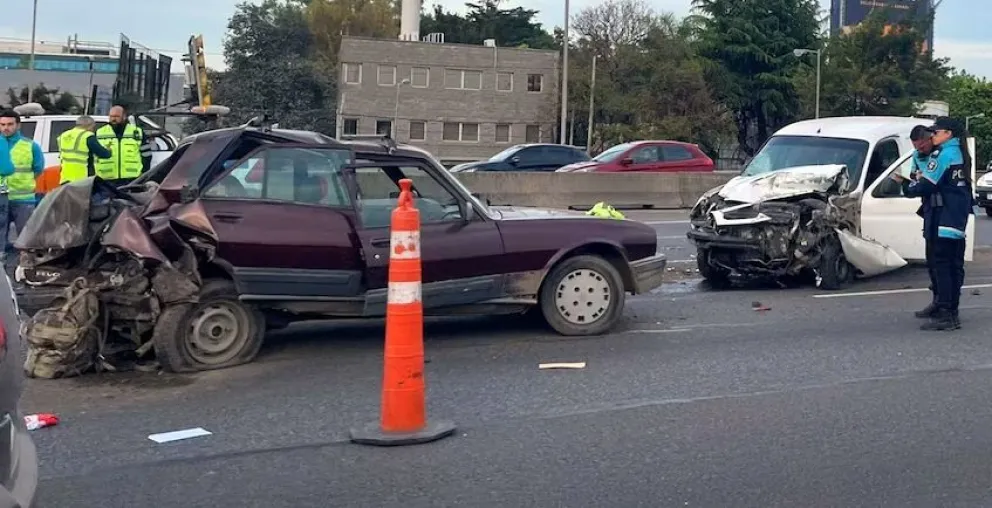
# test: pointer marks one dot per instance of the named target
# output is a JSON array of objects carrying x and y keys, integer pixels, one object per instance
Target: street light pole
[
  {"x": 800, "y": 52},
  {"x": 592, "y": 103},
  {"x": 564, "y": 80},
  {"x": 396, "y": 107},
  {"x": 34, "y": 28}
]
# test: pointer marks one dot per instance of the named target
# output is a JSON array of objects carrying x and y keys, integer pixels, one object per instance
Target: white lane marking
[
  {"x": 167, "y": 437},
  {"x": 689, "y": 328},
  {"x": 662, "y": 222},
  {"x": 403, "y": 292},
  {"x": 894, "y": 291},
  {"x": 673, "y": 237}
]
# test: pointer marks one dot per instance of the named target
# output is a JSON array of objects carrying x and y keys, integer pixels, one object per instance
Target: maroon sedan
[
  {"x": 244, "y": 230},
  {"x": 645, "y": 156}
]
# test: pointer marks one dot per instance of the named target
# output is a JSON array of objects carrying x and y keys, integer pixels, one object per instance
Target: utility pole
[
  {"x": 564, "y": 80},
  {"x": 34, "y": 28},
  {"x": 592, "y": 103}
]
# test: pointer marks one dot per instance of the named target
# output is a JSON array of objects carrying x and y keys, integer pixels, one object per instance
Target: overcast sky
[{"x": 962, "y": 32}]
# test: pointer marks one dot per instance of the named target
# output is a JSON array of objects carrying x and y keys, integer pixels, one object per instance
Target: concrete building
[
  {"x": 460, "y": 102},
  {"x": 72, "y": 66}
]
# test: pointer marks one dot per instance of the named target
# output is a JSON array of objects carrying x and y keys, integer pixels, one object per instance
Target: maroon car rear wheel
[
  {"x": 582, "y": 295},
  {"x": 218, "y": 331}
]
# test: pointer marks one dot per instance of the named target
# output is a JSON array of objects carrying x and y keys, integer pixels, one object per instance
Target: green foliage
[
  {"x": 969, "y": 96},
  {"x": 747, "y": 49},
  {"x": 881, "y": 68},
  {"x": 272, "y": 69},
  {"x": 53, "y": 100},
  {"x": 486, "y": 20}
]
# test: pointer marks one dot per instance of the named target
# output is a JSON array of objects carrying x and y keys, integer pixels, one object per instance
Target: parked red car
[{"x": 645, "y": 156}]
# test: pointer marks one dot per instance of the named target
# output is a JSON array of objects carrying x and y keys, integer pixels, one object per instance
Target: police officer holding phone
[{"x": 945, "y": 186}]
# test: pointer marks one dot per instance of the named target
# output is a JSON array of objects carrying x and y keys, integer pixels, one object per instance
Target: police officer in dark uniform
[
  {"x": 945, "y": 185},
  {"x": 922, "y": 138}
]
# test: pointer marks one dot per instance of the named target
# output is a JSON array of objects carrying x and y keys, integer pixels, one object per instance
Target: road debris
[
  {"x": 576, "y": 365},
  {"x": 40, "y": 421},
  {"x": 759, "y": 307},
  {"x": 178, "y": 435}
]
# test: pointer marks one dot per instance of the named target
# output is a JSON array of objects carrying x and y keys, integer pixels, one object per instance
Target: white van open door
[{"x": 888, "y": 217}]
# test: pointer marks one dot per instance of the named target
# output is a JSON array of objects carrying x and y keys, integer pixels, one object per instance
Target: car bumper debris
[{"x": 648, "y": 273}]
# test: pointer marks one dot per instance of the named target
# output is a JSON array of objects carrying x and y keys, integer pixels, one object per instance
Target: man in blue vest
[
  {"x": 945, "y": 185},
  {"x": 21, "y": 161}
]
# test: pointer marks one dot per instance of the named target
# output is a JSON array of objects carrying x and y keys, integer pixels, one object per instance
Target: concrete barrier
[{"x": 574, "y": 190}]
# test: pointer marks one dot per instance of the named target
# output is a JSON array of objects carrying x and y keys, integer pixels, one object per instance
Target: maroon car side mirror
[{"x": 626, "y": 161}]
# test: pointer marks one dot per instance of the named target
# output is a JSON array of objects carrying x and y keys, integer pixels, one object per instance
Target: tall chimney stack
[{"x": 410, "y": 20}]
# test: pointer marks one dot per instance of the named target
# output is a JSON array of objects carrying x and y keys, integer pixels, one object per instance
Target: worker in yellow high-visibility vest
[
  {"x": 21, "y": 161},
  {"x": 77, "y": 149},
  {"x": 130, "y": 150}
]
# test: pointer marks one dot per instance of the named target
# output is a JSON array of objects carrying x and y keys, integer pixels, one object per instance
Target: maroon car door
[
  {"x": 460, "y": 247},
  {"x": 283, "y": 217},
  {"x": 642, "y": 158}
]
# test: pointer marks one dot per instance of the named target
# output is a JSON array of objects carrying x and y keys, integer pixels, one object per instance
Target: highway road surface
[{"x": 827, "y": 399}]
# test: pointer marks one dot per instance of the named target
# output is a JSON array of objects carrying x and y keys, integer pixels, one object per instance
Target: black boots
[
  {"x": 927, "y": 312},
  {"x": 942, "y": 320}
]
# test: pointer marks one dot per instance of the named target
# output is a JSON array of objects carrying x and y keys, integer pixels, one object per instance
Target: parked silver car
[{"x": 18, "y": 456}]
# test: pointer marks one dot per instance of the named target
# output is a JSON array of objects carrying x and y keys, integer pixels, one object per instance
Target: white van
[
  {"x": 783, "y": 216},
  {"x": 46, "y": 129}
]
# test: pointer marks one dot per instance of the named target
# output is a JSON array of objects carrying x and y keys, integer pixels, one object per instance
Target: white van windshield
[{"x": 782, "y": 152}]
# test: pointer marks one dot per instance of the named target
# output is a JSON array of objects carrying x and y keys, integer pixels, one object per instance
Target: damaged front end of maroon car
[{"x": 97, "y": 267}]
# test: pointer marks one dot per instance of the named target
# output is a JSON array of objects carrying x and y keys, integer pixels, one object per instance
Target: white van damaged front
[{"x": 785, "y": 225}]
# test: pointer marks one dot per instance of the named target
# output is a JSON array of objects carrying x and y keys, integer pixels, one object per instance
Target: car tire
[
  {"x": 833, "y": 271},
  {"x": 715, "y": 276},
  {"x": 988, "y": 211},
  {"x": 582, "y": 295},
  {"x": 217, "y": 332}
]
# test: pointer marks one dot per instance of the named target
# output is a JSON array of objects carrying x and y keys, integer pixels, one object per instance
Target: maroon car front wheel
[{"x": 582, "y": 295}]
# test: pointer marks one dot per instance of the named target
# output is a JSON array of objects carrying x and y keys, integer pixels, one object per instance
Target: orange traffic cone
[{"x": 404, "y": 412}]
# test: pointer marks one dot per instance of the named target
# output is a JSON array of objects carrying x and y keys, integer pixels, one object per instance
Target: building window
[
  {"x": 352, "y": 73},
  {"x": 350, "y": 127},
  {"x": 502, "y": 133},
  {"x": 533, "y": 134},
  {"x": 463, "y": 80},
  {"x": 384, "y": 127},
  {"x": 420, "y": 77},
  {"x": 504, "y": 82},
  {"x": 387, "y": 75},
  {"x": 418, "y": 131},
  {"x": 455, "y": 131},
  {"x": 535, "y": 82}
]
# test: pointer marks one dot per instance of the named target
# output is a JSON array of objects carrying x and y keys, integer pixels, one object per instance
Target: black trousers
[
  {"x": 930, "y": 244},
  {"x": 948, "y": 270}
]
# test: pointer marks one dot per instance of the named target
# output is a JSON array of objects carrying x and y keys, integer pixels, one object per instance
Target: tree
[
  {"x": 968, "y": 95},
  {"x": 881, "y": 68},
  {"x": 649, "y": 82},
  {"x": 330, "y": 19},
  {"x": 514, "y": 27},
  {"x": 53, "y": 100},
  {"x": 272, "y": 69},
  {"x": 748, "y": 51}
]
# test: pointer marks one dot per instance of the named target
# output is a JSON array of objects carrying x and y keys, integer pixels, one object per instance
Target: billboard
[
  {"x": 142, "y": 74},
  {"x": 848, "y": 13}
]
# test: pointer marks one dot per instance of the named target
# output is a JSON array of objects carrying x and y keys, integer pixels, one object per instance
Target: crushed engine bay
[
  {"x": 786, "y": 223},
  {"x": 129, "y": 247}
]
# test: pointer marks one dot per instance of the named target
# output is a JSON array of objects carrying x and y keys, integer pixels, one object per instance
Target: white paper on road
[
  {"x": 576, "y": 365},
  {"x": 178, "y": 435}
]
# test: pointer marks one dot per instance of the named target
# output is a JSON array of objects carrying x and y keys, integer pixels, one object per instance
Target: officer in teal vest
[{"x": 21, "y": 161}]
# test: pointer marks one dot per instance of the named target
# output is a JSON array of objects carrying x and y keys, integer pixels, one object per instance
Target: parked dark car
[
  {"x": 646, "y": 157},
  {"x": 531, "y": 157},
  {"x": 207, "y": 253},
  {"x": 18, "y": 456}
]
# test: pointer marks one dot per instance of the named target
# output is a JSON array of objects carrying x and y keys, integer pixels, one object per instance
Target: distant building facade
[
  {"x": 846, "y": 14},
  {"x": 460, "y": 102},
  {"x": 73, "y": 66}
]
